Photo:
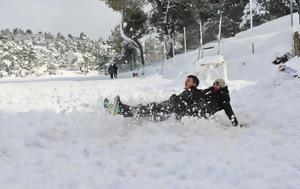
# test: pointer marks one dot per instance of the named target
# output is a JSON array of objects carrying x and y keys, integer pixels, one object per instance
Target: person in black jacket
[
  {"x": 176, "y": 104},
  {"x": 115, "y": 71},
  {"x": 111, "y": 71},
  {"x": 216, "y": 99}
]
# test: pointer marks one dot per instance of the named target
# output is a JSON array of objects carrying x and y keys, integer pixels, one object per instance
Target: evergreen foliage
[{"x": 25, "y": 53}]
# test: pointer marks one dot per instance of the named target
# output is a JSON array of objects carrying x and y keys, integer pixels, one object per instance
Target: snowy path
[{"x": 55, "y": 134}]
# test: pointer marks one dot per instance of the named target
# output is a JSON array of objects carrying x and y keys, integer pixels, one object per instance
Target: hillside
[{"x": 55, "y": 133}]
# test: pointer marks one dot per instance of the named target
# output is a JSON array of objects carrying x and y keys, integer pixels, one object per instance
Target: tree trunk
[
  {"x": 141, "y": 50},
  {"x": 168, "y": 35},
  {"x": 296, "y": 44},
  {"x": 169, "y": 45},
  {"x": 133, "y": 41}
]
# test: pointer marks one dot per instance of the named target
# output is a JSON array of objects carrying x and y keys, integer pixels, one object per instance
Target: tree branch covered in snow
[
  {"x": 24, "y": 53},
  {"x": 168, "y": 17}
]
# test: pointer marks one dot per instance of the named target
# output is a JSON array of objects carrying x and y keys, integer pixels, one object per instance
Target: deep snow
[{"x": 54, "y": 132}]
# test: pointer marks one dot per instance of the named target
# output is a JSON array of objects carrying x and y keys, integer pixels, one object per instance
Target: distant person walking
[
  {"x": 115, "y": 71},
  {"x": 111, "y": 71}
]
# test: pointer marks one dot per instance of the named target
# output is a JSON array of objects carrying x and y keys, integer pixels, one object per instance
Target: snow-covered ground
[{"x": 54, "y": 132}]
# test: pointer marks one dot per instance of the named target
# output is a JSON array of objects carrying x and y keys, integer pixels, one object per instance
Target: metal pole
[
  {"x": 291, "y": 7},
  {"x": 251, "y": 18},
  {"x": 219, "y": 36},
  {"x": 173, "y": 49},
  {"x": 165, "y": 58},
  {"x": 184, "y": 33},
  {"x": 200, "y": 52},
  {"x": 173, "y": 45},
  {"x": 144, "y": 54},
  {"x": 155, "y": 53}
]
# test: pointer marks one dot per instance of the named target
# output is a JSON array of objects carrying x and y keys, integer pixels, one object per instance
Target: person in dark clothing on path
[
  {"x": 115, "y": 71},
  {"x": 111, "y": 71}
]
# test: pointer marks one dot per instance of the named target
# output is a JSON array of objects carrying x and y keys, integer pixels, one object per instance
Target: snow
[
  {"x": 273, "y": 26},
  {"x": 54, "y": 132},
  {"x": 219, "y": 59},
  {"x": 294, "y": 63}
]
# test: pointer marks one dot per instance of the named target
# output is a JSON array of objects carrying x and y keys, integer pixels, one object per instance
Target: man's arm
[
  {"x": 207, "y": 90},
  {"x": 229, "y": 112}
]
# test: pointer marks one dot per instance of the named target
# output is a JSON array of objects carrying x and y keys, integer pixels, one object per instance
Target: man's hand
[{"x": 235, "y": 123}]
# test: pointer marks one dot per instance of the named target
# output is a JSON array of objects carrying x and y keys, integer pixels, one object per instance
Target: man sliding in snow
[
  {"x": 191, "y": 102},
  {"x": 161, "y": 111}
]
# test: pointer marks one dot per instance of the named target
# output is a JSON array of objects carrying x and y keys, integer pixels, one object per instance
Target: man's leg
[
  {"x": 154, "y": 111},
  {"x": 178, "y": 106},
  {"x": 195, "y": 110}
]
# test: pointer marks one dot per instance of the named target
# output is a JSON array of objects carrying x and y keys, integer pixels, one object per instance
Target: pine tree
[
  {"x": 25, "y": 53},
  {"x": 278, "y": 8},
  {"x": 259, "y": 13}
]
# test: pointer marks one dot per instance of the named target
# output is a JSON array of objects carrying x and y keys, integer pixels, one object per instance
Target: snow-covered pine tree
[
  {"x": 170, "y": 17},
  {"x": 259, "y": 13},
  {"x": 25, "y": 53},
  {"x": 278, "y": 8},
  {"x": 231, "y": 12}
]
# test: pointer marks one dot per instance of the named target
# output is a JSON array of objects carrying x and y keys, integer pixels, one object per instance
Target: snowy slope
[{"x": 54, "y": 132}]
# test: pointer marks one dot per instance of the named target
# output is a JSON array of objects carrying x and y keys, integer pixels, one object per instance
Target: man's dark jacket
[{"x": 188, "y": 97}]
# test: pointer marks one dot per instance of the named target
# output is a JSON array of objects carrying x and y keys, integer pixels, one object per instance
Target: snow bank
[{"x": 294, "y": 63}]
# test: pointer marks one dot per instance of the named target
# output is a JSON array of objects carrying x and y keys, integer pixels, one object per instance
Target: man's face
[{"x": 189, "y": 83}]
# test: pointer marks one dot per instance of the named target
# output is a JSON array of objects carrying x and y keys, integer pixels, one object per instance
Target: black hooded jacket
[
  {"x": 188, "y": 96},
  {"x": 111, "y": 69},
  {"x": 217, "y": 101}
]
